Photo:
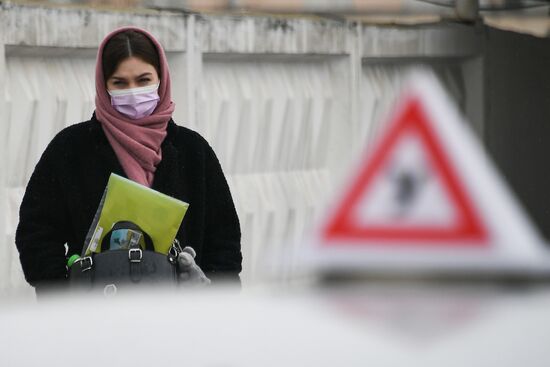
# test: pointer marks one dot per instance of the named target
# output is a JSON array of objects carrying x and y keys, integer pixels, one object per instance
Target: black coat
[{"x": 67, "y": 184}]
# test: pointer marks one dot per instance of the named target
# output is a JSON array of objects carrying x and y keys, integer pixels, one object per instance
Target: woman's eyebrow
[{"x": 144, "y": 74}]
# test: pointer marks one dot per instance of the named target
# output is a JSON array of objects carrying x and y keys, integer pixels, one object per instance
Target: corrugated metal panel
[
  {"x": 42, "y": 96},
  {"x": 270, "y": 115},
  {"x": 270, "y": 121}
]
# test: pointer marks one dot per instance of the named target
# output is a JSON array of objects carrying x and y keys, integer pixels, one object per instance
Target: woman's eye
[
  {"x": 145, "y": 80},
  {"x": 118, "y": 82}
]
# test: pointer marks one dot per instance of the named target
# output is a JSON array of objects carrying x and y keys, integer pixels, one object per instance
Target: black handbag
[{"x": 112, "y": 269}]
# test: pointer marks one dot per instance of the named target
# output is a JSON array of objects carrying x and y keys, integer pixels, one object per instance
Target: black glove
[{"x": 189, "y": 273}]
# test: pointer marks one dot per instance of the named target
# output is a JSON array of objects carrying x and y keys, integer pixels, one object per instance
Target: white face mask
[{"x": 135, "y": 102}]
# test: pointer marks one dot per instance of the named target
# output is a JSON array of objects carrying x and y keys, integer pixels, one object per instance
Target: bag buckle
[
  {"x": 86, "y": 263},
  {"x": 137, "y": 257}
]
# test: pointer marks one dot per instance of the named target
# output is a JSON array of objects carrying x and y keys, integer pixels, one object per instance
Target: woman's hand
[{"x": 189, "y": 273}]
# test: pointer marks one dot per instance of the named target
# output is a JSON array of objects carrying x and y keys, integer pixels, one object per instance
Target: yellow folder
[{"x": 157, "y": 214}]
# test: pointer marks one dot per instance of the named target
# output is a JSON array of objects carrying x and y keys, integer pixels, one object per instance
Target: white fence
[{"x": 286, "y": 104}]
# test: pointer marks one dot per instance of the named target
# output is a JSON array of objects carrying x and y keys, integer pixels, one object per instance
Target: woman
[{"x": 131, "y": 134}]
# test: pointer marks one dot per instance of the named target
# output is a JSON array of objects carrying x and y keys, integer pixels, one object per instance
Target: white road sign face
[{"x": 408, "y": 191}]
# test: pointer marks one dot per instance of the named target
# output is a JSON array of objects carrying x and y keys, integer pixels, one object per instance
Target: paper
[{"x": 157, "y": 214}]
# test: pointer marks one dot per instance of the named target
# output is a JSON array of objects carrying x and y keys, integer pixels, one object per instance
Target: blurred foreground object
[
  {"x": 389, "y": 326},
  {"x": 426, "y": 200}
]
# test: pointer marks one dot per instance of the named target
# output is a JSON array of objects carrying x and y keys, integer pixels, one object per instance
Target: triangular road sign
[
  {"x": 426, "y": 197},
  {"x": 413, "y": 166}
]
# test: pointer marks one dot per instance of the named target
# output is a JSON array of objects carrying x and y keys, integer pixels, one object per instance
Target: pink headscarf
[{"x": 136, "y": 142}]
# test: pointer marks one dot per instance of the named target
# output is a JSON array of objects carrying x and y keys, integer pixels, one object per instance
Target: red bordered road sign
[
  {"x": 426, "y": 197},
  {"x": 466, "y": 227}
]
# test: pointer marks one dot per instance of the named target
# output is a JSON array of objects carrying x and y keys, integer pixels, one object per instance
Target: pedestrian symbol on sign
[{"x": 407, "y": 185}]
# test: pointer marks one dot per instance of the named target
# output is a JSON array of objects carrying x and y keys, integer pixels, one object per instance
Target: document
[{"x": 157, "y": 214}]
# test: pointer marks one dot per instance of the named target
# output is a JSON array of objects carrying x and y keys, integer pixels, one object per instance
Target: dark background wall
[{"x": 517, "y": 116}]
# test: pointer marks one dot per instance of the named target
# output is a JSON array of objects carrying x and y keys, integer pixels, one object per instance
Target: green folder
[{"x": 157, "y": 214}]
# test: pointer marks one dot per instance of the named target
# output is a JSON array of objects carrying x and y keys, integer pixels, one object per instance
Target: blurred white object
[
  {"x": 400, "y": 326},
  {"x": 426, "y": 198}
]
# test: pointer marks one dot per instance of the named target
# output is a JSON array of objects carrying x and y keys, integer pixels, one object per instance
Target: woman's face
[{"x": 132, "y": 73}]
